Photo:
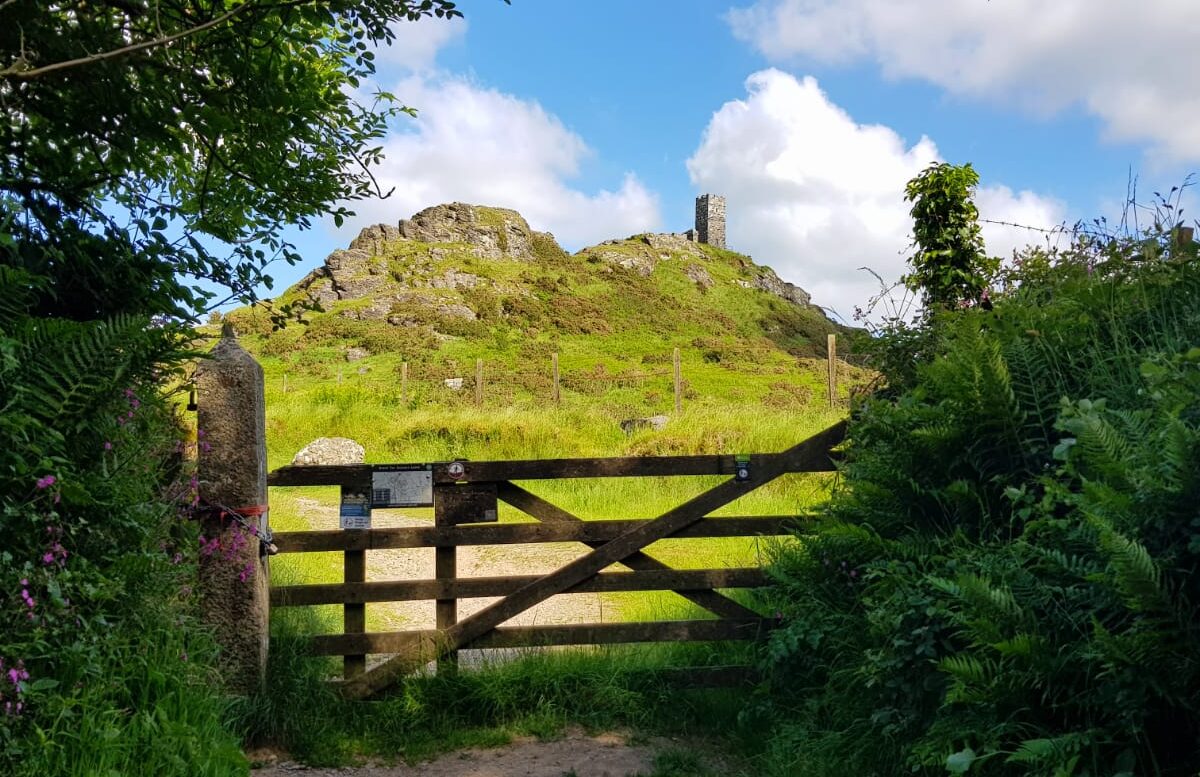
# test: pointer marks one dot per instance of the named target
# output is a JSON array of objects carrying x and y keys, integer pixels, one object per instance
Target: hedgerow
[{"x": 1005, "y": 583}]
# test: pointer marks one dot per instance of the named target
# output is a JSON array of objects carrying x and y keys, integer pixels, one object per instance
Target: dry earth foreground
[{"x": 575, "y": 755}]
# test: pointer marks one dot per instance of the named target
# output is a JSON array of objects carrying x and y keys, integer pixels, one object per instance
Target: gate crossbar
[{"x": 810, "y": 455}]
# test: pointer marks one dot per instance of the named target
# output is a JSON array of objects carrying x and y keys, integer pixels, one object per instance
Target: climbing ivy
[{"x": 950, "y": 267}]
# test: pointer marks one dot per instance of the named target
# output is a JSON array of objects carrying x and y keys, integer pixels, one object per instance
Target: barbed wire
[{"x": 1060, "y": 229}]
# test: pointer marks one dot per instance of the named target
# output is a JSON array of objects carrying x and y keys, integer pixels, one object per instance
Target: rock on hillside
[
  {"x": 485, "y": 233},
  {"x": 501, "y": 234},
  {"x": 661, "y": 247},
  {"x": 461, "y": 271}
]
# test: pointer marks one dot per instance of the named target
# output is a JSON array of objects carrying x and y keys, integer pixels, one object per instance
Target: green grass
[
  {"x": 429, "y": 435},
  {"x": 540, "y": 692},
  {"x": 155, "y": 714},
  {"x": 677, "y": 762},
  {"x": 537, "y": 694}
]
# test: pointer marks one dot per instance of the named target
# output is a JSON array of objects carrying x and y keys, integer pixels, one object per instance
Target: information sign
[{"x": 402, "y": 485}]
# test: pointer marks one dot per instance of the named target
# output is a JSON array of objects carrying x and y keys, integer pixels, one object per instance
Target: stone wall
[{"x": 710, "y": 220}]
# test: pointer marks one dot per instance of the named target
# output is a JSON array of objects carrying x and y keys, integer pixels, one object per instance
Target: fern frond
[
  {"x": 1062, "y": 751},
  {"x": 72, "y": 365},
  {"x": 968, "y": 669},
  {"x": 1176, "y": 456},
  {"x": 1029, "y": 369},
  {"x": 1021, "y": 645},
  {"x": 970, "y": 678},
  {"x": 17, "y": 292},
  {"x": 1075, "y": 566},
  {"x": 981, "y": 594},
  {"x": 1106, "y": 450},
  {"x": 1137, "y": 578}
]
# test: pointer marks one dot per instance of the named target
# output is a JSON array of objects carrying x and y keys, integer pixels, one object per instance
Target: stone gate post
[{"x": 232, "y": 469}]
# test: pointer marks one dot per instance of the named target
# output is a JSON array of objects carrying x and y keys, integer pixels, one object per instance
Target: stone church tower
[{"x": 710, "y": 220}]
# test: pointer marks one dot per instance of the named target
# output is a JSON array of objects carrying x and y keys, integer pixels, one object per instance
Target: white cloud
[
  {"x": 1131, "y": 63},
  {"x": 417, "y": 44},
  {"x": 1030, "y": 220},
  {"x": 478, "y": 145},
  {"x": 817, "y": 196}
]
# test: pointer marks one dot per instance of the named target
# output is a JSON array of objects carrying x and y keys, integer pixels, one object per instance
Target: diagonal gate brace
[
  {"x": 534, "y": 505},
  {"x": 811, "y": 454}
]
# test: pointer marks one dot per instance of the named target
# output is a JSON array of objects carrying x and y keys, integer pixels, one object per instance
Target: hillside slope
[
  {"x": 458, "y": 282},
  {"x": 464, "y": 271}
]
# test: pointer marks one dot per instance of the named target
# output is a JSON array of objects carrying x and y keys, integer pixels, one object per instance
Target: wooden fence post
[
  {"x": 678, "y": 383},
  {"x": 1183, "y": 237},
  {"x": 354, "y": 615},
  {"x": 479, "y": 383},
  {"x": 554, "y": 368},
  {"x": 445, "y": 567},
  {"x": 339, "y": 376},
  {"x": 285, "y": 383},
  {"x": 831, "y": 355},
  {"x": 232, "y": 471},
  {"x": 404, "y": 382}
]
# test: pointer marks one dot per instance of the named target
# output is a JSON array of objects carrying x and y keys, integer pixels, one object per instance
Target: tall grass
[
  {"x": 537, "y": 693},
  {"x": 159, "y": 712}
]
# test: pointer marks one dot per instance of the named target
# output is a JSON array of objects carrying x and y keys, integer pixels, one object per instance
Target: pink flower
[
  {"x": 48, "y": 558},
  {"x": 108, "y": 446},
  {"x": 45, "y": 482}
]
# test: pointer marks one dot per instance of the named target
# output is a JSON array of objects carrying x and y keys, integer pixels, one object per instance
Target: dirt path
[
  {"x": 473, "y": 561},
  {"x": 575, "y": 755}
]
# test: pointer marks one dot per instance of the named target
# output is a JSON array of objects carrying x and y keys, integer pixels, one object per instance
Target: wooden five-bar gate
[{"x": 464, "y": 496}]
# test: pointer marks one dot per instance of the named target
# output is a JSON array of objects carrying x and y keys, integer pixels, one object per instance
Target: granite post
[{"x": 232, "y": 469}]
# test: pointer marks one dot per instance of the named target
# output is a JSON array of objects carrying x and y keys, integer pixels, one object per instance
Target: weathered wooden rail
[{"x": 464, "y": 493}]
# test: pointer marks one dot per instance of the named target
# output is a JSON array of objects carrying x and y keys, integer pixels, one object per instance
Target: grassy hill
[{"x": 457, "y": 283}]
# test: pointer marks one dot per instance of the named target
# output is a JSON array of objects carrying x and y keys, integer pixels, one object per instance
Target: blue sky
[{"x": 601, "y": 120}]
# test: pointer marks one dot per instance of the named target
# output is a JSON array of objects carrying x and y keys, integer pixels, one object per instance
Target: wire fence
[{"x": 659, "y": 382}]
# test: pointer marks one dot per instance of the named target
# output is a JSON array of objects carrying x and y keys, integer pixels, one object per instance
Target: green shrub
[
  {"x": 95, "y": 625},
  {"x": 1006, "y": 583},
  {"x": 335, "y": 329}
]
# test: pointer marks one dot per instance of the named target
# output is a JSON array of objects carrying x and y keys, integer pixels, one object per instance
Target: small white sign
[
  {"x": 402, "y": 485},
  {"x": 355, "y": 512}
]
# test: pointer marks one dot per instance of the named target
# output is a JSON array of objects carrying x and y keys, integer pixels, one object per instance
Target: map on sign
[{"x": 402, "y": 485}]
